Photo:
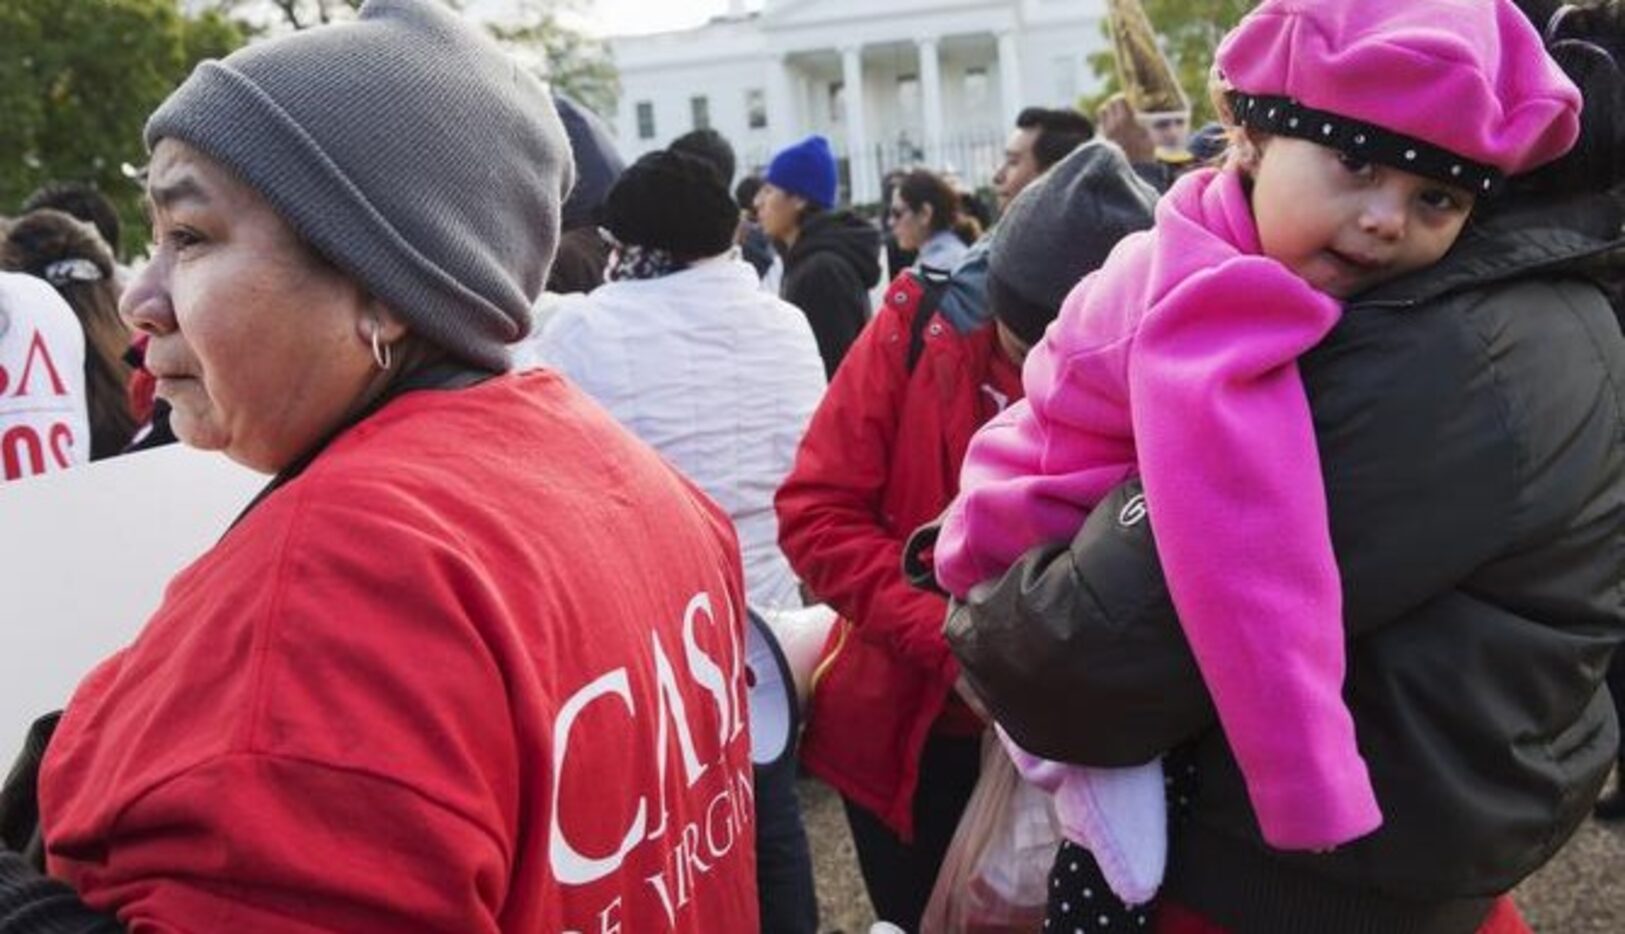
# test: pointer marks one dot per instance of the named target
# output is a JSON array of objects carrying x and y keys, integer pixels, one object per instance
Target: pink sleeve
[
  {"x": 1226, "y": 449},
  {"x": 1031, "y": 474}
]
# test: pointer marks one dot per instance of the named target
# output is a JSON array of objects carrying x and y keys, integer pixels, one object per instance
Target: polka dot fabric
[{"x": 1080, "y": 901}]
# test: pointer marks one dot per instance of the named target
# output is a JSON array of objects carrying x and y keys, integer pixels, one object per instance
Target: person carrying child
[{"x": 1365, "y": 133}]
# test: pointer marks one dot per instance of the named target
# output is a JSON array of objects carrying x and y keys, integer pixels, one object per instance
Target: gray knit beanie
[
  {"x": 409, "y": 150},
  {"x": 1058, "y": 230}
]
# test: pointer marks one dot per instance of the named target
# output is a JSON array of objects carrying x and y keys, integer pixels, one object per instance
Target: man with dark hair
[
  {"x": 831, "y": 257},
  {"x": 81, "y": 201},
  {"x": 1042, "y": 137},
  {"x": 710, "y": 147},
  {"x": 754, "y": 246},
  {"x": 745, "y": 195}
]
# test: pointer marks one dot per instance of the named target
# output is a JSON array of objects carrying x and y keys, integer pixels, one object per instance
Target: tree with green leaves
[
  {"x": 78, "y": 80},
  {"x": 303, "y": 13},
  {"x": 565, "y": 57},
  {"x": 1189, "y": 31}
]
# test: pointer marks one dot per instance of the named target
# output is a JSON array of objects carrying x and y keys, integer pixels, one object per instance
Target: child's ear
[{"x": 1246, "y": 149}]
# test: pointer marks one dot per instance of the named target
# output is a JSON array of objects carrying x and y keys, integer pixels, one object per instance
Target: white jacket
[
  {"x": 718, "y": 376},
  {"x": 43, "y": 423}
]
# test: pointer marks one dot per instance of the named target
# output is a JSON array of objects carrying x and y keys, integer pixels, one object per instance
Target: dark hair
[
  {"x": 1588, "y": 42},
  {"x": 579, "y": 264},
  {"x": 973, "y": 205},
  {"x": 809, "y": 210},
  {"x": 42, "y": 238},
  {"x": 745, "y": 192},
  {"x": 710, "y": 147},
  {"x": 81, "y": 201},
  {"x": 922, "y": 187},
  {"x": 1059, "y": 132}
]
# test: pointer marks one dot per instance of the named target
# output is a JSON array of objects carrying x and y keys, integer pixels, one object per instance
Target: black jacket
[
  {"x": 828, "y": 275},
  {"x": 1470, "y": 421}
]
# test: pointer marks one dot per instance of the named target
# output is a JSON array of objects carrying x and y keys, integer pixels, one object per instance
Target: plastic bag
[{"x": 993, "y": 879}]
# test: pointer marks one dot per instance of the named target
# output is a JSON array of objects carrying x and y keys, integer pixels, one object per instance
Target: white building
[{"x": 942, "y": 80}]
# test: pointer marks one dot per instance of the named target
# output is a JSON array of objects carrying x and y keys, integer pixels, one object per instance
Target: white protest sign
[{"x": 85, "y": 555}]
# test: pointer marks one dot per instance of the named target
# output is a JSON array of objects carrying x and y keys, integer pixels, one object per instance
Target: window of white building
[
  {"x": 975, "y": 89},
  {"x": 908, "y": 98},
  {"x": 756, "y": 108},
  {"x": 646, "y": 120},
  {"x": 699, "y": 107},
  {"x": 837, "y": 102}
]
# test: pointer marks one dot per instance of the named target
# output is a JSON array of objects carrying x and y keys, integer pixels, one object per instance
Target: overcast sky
[
  {"x": 624, "y": 17},
  {"x": 627, "y": 17}
]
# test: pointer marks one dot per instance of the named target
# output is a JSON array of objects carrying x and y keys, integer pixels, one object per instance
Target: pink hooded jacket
[{"x": 1178, "y": 361}]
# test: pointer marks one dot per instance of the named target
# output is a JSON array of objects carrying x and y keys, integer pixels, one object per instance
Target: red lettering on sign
[
  {"x": 22, "y": 453},
  {"x": 16, "y": 442},
  {"x": 62, "y": 445},
  {"x": 38, "y": 350}
]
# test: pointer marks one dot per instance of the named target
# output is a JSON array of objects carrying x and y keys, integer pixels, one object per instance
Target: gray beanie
[
  {"x": 409, "y": 150},
  {"x": 1060, "y": 229}
]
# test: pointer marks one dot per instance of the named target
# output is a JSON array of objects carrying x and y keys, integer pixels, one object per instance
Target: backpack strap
[{"x": 935, "y": 283}]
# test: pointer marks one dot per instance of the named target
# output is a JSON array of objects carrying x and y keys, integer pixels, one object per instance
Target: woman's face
[
  {"x": 778, "y": 211},
  {"x": 260, "y": 347},
  {"x": 911, "y": 226}
]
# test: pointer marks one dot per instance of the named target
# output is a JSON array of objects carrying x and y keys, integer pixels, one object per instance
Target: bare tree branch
[{"x": 290, "y": 12}]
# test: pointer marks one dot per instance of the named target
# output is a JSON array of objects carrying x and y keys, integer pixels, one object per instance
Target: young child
[{"x": 1366, "y": 130}]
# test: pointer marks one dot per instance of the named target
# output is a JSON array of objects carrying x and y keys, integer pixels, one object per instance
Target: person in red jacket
[
  {"x": 886, "y": 728},
  {"x": 474, "y": 660}
]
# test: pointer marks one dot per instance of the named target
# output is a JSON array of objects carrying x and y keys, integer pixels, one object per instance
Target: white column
[
  {"x": 857, "y": 135},
  {"x": 782, "y": 122},
  {"x": 931, "y": 100},
  {"x": 1009, "y": 78}
]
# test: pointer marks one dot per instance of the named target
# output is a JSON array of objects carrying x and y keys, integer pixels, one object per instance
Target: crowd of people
[{"x": 546, "y": 432}]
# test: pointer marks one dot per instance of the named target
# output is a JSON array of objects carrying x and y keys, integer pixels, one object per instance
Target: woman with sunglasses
[{"x": 926, "y": 219}]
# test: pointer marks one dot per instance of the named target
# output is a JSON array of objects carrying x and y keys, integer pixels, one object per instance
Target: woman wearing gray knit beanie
[{"x": 432, "y": 678}]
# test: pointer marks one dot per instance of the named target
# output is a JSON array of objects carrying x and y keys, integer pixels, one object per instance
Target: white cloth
[
  {"x": 773, "y": 279},
  {"x": 44, "y": 425},
  {"x": 1119, "y": 815},
  {"x": 718, "y": 376},
  {"x": 527, "y": 353}
]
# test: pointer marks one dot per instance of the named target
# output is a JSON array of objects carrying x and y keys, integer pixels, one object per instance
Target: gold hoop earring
[{"x": 382, "y": 354}]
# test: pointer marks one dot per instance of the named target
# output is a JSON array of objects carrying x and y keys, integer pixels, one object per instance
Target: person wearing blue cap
[{"x": 831, "y": 258}]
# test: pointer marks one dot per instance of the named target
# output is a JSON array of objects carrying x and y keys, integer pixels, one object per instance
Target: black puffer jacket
[
  {"x": 828, "y": 275},
  {"x": 1470, "y": 421}
]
